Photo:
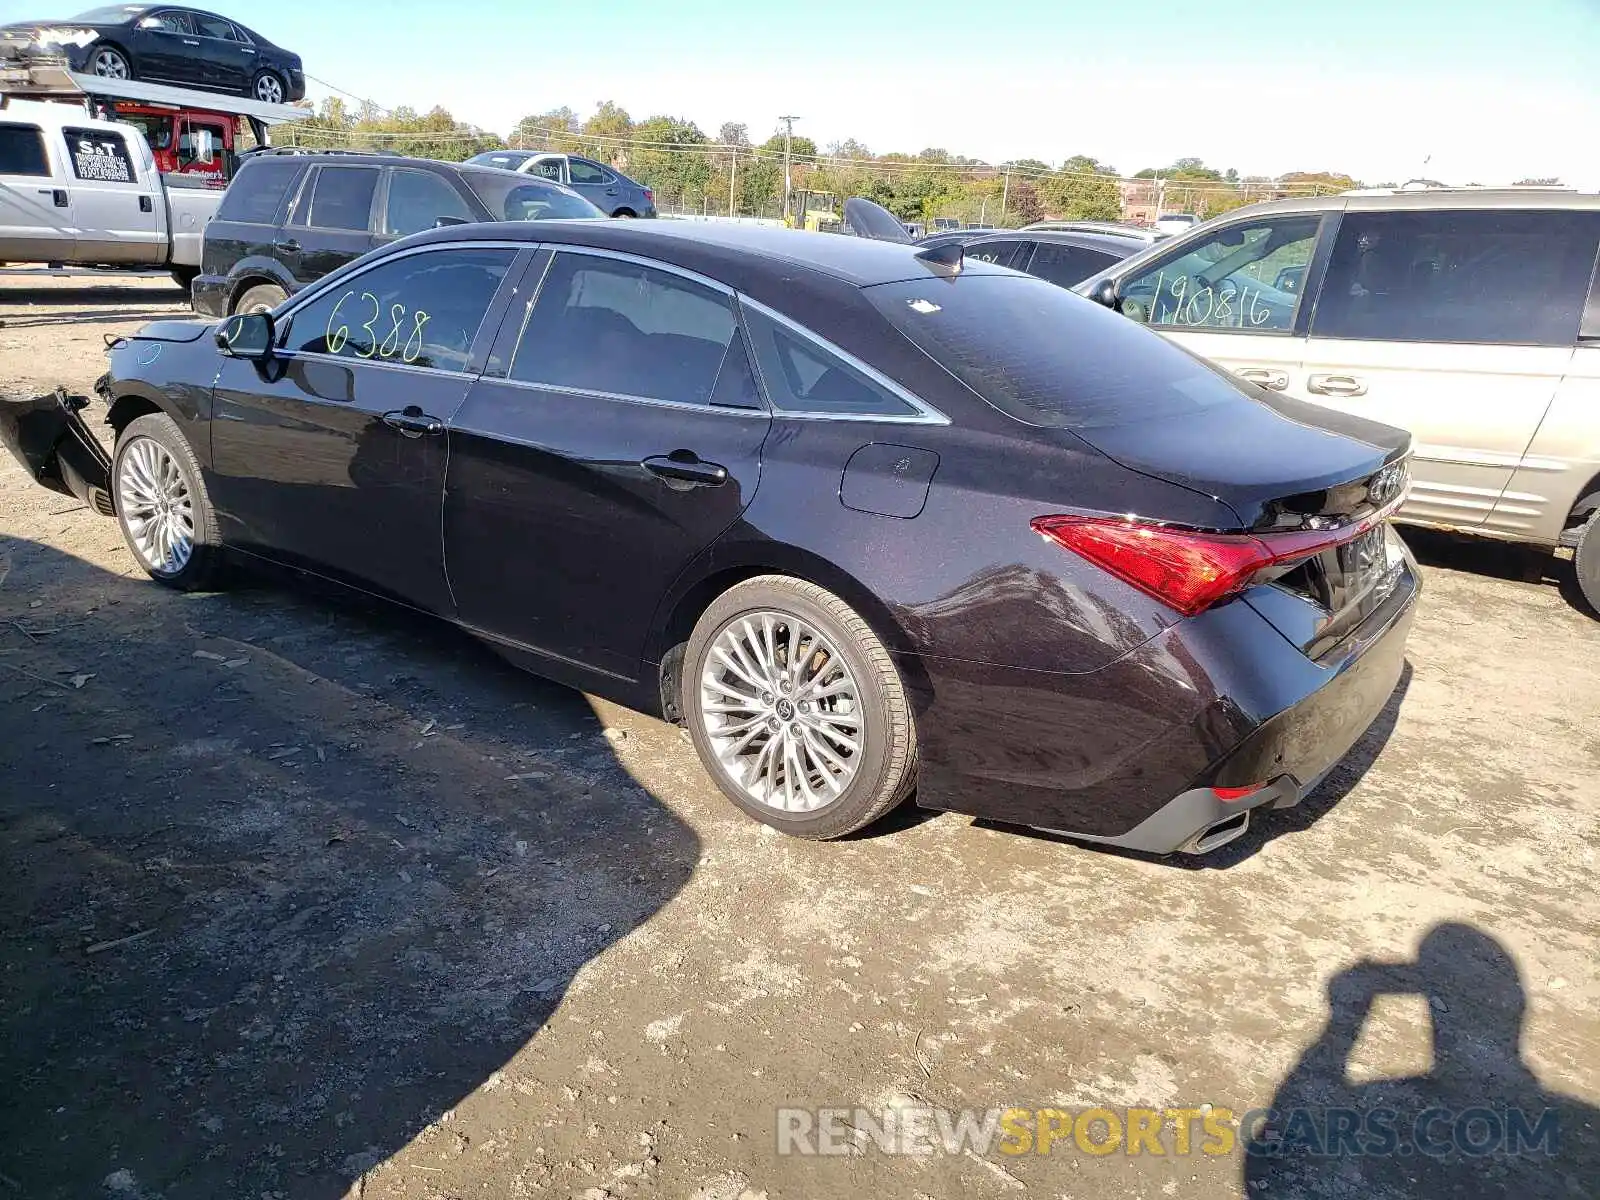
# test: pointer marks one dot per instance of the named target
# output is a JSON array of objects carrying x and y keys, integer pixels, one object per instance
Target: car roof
[
  {"x": 708, "y": 245},
  {"x": 1428, "y": 198},
  {"x": 1111, "y": 243}
]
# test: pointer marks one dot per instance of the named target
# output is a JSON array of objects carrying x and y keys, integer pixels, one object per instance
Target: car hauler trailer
[{"x": 190, "y": 132}]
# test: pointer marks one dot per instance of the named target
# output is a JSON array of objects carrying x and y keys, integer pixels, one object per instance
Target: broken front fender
[{"x": 49, "y": 439}]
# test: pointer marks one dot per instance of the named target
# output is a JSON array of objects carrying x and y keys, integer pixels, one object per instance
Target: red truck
[{"x": 185, "y": 141}]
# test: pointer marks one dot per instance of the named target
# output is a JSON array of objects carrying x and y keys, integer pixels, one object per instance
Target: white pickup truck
[{"x": 76, "y": 190}]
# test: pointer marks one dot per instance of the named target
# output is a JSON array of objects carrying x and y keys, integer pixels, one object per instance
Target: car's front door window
[
  {"x": 419, "y": 310},
  {"x": 1245, "y": 276},
  {"x": 585, "y": 172}
]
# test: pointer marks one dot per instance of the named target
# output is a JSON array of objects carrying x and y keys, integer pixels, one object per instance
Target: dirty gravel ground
[{"x": 305, "y": 898}]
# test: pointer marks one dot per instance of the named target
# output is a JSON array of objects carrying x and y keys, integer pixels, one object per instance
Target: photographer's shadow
[{"x": 1478, "y": 1124}]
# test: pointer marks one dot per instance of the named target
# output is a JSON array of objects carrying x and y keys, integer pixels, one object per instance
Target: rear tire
[
  {"x": 268, "y": 87},
  {"x": 163, "y": 508},
  {"x": 625, "y": 214},
  {"x": 1586, "y": 561},
  {"x": 108, "y": 62},
  {"x": 823, "y": 743},
  {"x": 264, "y": 297}
]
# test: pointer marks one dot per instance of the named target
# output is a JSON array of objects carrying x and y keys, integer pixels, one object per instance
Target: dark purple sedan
[{"x": 871, "y": 521}]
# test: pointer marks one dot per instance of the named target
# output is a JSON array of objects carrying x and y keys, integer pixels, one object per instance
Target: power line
[{"x": 333, "y": 87}]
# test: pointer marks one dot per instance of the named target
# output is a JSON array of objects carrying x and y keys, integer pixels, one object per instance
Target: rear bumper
[
  {"x": 1128, "y": 755},
  {"x": 208, "y": 295}
]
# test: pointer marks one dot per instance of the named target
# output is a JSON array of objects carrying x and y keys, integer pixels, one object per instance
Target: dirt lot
[{"x": 304, "y": 898}]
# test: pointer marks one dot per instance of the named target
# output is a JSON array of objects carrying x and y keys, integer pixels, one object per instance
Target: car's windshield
[
  {"x": 1046, "y": 357},
  {"x": 111, "y": 13},
  {"x": 519, "y": 198}
]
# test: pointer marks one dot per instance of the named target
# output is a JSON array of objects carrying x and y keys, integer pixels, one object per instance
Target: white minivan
[
  {"x": 77, "y": 190},
  {"x": 1469, "y": 317}
]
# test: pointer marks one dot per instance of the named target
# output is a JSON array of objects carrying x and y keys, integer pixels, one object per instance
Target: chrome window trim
[
  {"x": 594, "y": 393},
  {"x": 307, "y": 294},
  {"x": 925, "y": 413},
  {"x": 374, "y": 361}
]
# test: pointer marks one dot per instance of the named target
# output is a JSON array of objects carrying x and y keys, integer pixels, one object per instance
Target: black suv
[{"x": 289, "y": 218}]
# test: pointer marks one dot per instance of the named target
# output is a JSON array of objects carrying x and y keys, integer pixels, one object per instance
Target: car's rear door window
[
  {"x": 340, "y": 198},
  {"x": 1000, "y": 251},
  {"x": 22, "y": 151},
  {"x": 1484, "y": 276},
  {"x": 99, "y": 155},
  {"x": 215, "y": 27},
  {"x": 621, "y": 328},
  {"x": 1065, "y": 265},
  {"x": 416, "y": 201},
  {"x": 585, "y": 172},
  {"x": 258, "y": 191}
]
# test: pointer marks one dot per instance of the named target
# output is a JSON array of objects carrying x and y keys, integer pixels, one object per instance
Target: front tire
[
  {"x": 1586, "y": 561},
  {"x": 796, "y": 709},
  {"x": 163, "y": 508}
]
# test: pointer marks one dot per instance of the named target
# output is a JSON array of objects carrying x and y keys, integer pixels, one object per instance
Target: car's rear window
[
  {"x": 524, "y": 198},
  {"x": 257, "y": 191},
  {"x": 1047, "y": 357}
]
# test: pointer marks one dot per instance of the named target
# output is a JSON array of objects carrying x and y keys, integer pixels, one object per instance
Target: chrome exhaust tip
[{"x": 1217, "y": 835}]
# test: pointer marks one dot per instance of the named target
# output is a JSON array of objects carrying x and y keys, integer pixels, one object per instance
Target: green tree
[
  {"x": 557, "y": 129},
  {"x": 669, "y": 155},
  {"x": 1084, "y": 189}
]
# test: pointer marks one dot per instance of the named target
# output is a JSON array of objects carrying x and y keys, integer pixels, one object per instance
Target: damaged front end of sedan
[{"x": 47, "y": 437}]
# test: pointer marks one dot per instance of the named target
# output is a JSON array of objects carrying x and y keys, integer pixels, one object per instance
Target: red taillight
[
  {"x": 1183, "y": 569},
  {"x": 1226, "y": 794},
  {"x": 649, "y": 196}
]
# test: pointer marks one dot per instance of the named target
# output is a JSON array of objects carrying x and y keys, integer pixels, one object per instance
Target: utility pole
[
  {"x": 788, "y": 183},
  {"x": 733, "y": 177},
  {"x": 1005, "y": 193}
]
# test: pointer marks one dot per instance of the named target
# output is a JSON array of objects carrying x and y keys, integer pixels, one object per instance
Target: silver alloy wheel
[
  {"x": 269, "y": 89},
  {"x": 782, "y": 712},
  {"x": 108, "y": 64},
  {"x": 154, "y": 501}
]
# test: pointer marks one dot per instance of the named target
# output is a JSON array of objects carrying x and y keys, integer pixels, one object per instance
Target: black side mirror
[
  {"x": 1104, "y": 292},
  {"x": 246, "y": 335},
  {"x": 446, "y": 222}
]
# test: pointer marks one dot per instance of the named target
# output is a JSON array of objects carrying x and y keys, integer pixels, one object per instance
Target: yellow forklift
[{"x": 815, "y": 211}]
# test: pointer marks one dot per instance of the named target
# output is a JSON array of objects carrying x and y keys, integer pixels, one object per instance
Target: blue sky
[{"x": 1491, "y": 89}]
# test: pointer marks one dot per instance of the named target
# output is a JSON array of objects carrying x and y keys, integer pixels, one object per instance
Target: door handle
[
  {"x": 413, "y": 422},
  {"x": 1277, "y": 381},
  {"x": 289, "y": 247},
  {"x": 190, "y": 42},
  {"x": 58, "y": 196},
  {"x": 685, "y": 466},
  {"x": 1336, "y": 385}
]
